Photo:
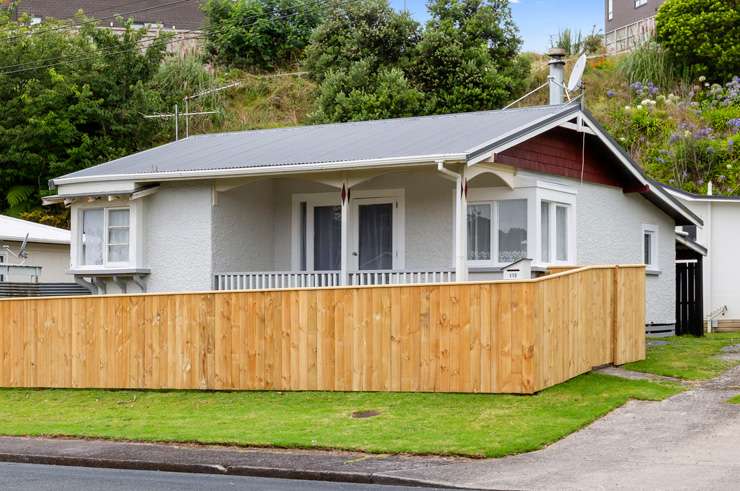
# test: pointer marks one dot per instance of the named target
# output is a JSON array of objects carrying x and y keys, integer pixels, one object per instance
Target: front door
[{"x": 375, "y": 234}]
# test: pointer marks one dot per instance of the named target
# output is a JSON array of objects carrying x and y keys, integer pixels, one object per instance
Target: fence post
[{"x": 616, "y": 311}]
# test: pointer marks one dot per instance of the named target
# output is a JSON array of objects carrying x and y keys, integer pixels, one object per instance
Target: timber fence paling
[{"x": 492, "y": 337}]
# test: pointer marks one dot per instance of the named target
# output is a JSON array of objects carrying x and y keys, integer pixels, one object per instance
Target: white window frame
[
  {"x": 395, "y": 196},
  {"x": 640, "y": 3},
  {"x": 535, "y": 191},
  {"x": 654, "y": 265},
  {"x": 134, "y": 236},
  {"x": 477, "y": 196},
  {"x": 3, "y": 261},
  {"x": 610, "y": 9}
]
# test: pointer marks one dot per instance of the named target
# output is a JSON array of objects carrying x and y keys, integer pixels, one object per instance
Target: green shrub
[{"x": 703, "y": 35}]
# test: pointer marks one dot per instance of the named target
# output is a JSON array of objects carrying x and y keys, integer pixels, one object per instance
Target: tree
[
  {"x": 703, "y": 35},
  {"x": 261, "y": 34},
  {"x": 70, "y": 100},
  {"x": 362, "y": 30},
  {"x": 359, "y": 93},
  {"x": 467, "y": 58}
]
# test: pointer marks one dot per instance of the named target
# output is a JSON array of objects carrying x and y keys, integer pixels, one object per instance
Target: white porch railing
[
  {"x": 313, "y": 279},
  {"x": 276, "y": 279},
  {"x": 404, "y": 277}
]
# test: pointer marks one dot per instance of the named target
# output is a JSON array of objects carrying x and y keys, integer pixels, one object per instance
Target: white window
[
  {"x": 35, "y": 20},
  {"x": 650, "y": 247},
  {"x": 104, "y": 238},
  {"x": 640, "y": 3},
  {"x": 610, "y": 9},
  {"x": 497, "y": 231},
  {"x": 555, "y": 235}
]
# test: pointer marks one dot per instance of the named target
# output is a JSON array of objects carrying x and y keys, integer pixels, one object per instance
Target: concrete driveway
[{"x": 690, "y": 441}]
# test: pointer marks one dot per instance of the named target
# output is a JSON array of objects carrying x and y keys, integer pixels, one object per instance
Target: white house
[
  {"x": 720, "y": 235},
  {"x": 48, "y": 249},
  {"x": 439, "y": 198}
]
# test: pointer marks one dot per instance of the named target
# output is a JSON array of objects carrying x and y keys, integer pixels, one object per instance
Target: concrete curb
[{"x": 268, "y": 472}]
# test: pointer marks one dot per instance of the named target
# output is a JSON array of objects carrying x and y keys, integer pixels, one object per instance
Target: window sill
[
  {"x": 652, "y": 272},
  {"x": 103, "y": 271}
]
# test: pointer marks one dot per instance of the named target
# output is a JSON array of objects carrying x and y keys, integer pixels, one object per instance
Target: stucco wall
[
  {"x": 243, "y": 229},
  {"x": 53, "y": 258},
  {"x": 609, "y": 230},
  {"x": 177, "y": 238}
]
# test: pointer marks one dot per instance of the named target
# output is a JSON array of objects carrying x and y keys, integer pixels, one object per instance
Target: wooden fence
[{"x": 503, "y": 336}]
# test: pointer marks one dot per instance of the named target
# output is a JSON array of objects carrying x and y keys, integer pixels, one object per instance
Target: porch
[{"x": 414, "y": 225}]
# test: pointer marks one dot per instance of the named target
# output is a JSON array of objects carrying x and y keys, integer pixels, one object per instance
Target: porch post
[
  {"x": 461, "y": 220},
  {"x": 344, "y": 264},
  {"x": 461, "y": 233}
]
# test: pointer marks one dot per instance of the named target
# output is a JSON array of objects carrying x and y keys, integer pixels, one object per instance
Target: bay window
[
  {"x": 497, "y": 231},
  {"x": 105, "y": 237}
]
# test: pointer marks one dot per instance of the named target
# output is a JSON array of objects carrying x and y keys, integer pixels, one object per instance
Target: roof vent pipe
[{"x": 557, "y": 72}]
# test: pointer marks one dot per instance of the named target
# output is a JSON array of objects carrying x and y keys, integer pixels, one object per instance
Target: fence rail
[{"x": 503, "y": 337}]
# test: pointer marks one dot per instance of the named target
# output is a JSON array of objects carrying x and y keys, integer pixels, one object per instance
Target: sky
[{"x": 537, "y": 19}]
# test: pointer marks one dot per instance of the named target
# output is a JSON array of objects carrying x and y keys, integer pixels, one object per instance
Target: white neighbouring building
[
  {"x": 720, "y": 235},
  {"x": 48, "y": 249}
]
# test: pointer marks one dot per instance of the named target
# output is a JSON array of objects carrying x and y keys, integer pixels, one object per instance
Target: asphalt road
[{"x": 58, "y": 478}]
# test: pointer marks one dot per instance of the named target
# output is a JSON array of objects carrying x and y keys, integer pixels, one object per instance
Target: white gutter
[{"x": 263, "y": 170}]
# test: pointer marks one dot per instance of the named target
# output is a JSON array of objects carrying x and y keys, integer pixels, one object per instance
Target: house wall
[
  {"x": 609, "y": 230},
  {"x": 243, "y": 229},
  {"x": 53, "y": 258},
  {"x": 177, "y": 238},
  {"x": 625, "y": 12}
]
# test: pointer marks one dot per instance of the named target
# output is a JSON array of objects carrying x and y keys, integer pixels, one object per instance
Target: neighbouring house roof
[
  {"x": 185, "y": 15},
  {"x": 680, "y": 193},
  {"x": 463, "y": 137},
  {"x": 14, "y": 229}
]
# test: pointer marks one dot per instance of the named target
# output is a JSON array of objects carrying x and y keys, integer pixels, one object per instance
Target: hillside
[{"x": 682, "y": 132}]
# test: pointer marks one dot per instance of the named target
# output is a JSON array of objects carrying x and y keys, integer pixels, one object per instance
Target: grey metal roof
[{"x": 451, "y": 134}]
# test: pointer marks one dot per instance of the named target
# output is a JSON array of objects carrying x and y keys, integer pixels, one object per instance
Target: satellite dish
[
  {"x": 575, "y": 76},
  {"x": 22, "y": 253}
]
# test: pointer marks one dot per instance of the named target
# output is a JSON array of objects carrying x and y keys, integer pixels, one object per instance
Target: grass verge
[
  {"x": 734, "y": 400},
  {"x": 688, "y": 357},
  {"x": 454, "y": 424}
]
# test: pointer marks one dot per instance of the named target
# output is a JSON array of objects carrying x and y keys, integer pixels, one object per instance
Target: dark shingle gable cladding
[{"x": 184, "y": 15}]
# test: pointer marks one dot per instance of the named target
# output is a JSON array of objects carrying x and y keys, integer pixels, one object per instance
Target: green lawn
[
  {"x": 734, "y": 400},
  {"x": 462, "y": 424},
  {"x": 688, "y": 357}
]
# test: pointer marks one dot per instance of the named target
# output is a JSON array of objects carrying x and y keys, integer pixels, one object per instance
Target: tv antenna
[
  {"x": 22, "y": 253},
  {"x": 177, "y": 115}
]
